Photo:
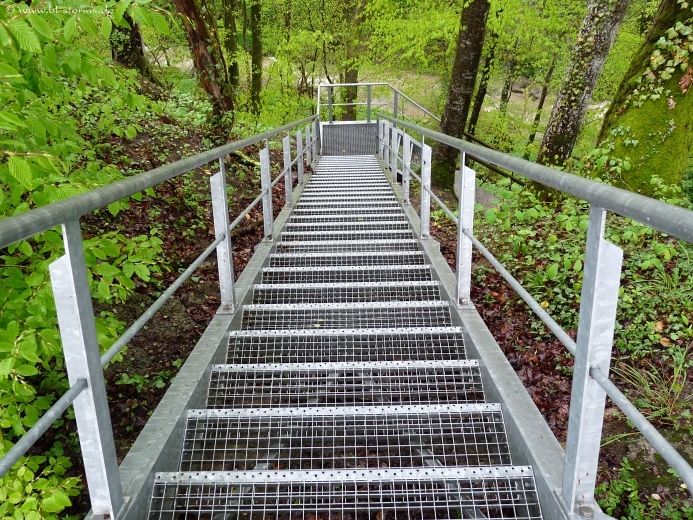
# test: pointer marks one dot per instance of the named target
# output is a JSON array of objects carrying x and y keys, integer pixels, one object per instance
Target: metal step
[
  {"x": 337, "y": 246},
  {"x": 354, "y": 259},
  {"x": 345, "y": 292},
  {"x": 384, "y": 234},
  {"x": 359, "y": 494},
  {"x": 352, "y": 203},
  {"x": 312, "y": 227},
  {"x": 339, "y": 188},
  {"x": 346, "y": 274},
  {"x": 326, "y": 345},
  {"x": 347, "y": 437},
  {"x": 349, "y": 217},
  {"x": 362, "y": 383},
  {"x": 346, "y": 315}
]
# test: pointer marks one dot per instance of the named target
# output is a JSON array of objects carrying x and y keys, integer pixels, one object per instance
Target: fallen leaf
[
  {"x": 659, "y": 326},
  {"x": 686, "y": 80},
  {"x": 671, "y": 103},
  {"x": 665, "y": 342}
]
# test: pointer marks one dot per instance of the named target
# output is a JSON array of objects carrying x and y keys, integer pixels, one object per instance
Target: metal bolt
[{"x": 586, "y": 511}]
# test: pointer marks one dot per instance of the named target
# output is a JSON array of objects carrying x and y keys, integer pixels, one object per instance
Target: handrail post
[
  {"x": 329, "y": 104},
  {"x": 368, "y": 103},
  {"x": 599, "y": 299},
  {"x": 316, "y": 139},
  {"x": 220, "y": 211},
  {"x": 465, "y": 221},
  {"x": 425, "y": 212},
  {"x": 286, "y": 144},
  {"x": 406, "y": 166},
  {"x": 380, "y": 138},
  {"x": 394, "y": 148},
  {"x": 83, "y": 360},
  {"x": 395, "y": 103},
  {"x": 299, "y": 155},
  {"x": 266, "y": 185},
  {"x": 309, "y": 159}
]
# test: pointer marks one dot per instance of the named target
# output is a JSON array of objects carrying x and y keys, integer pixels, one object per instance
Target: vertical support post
[
  {"x": 381, "y": 137},
  {"x": 387, "y": 130},
  {"x": 329, "y": 104},
  {"x": 395, "y": 104},
  {"x": 425, "y": 212},
  {"x": 286, "y": 143},
  {"x": 266, "y": 184},
  {"x": 316, "y": 140},
  {"x": 465, "y": 222},
  {"x": 299, "y": 155},
  {"x": 309, "y": 159},
  {"x": 599, "y": 300},
  {"x": 368, "y": 103},
  {"x": 393, "y": 153},
  {"x": 406, "y": 166},
  {"x": 83, "y": 360},
  {"x": 220, "y": 211}
]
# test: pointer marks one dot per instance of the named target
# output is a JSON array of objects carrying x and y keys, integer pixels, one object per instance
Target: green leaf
[
  {"x": 20, "y": 170},
  {"x": 120, "y": 10},
  {"x": 6, "y": 367},
  {"x": 578, "y": 266},
  {"x": 104, "y": 290},
  {"x": 69, "y": 28},
  {"x": 159, "y": 22},
  {"x": 41, "y": 26},
  {"x": 106, "y": 27},
  {"x": 552, "y": 271},
  {"x": 105, "y": 269},
  {"x": 26, "y": 370},
  {"x": 55, "y": 502},
  {"x": 25, "y": 35},
  {"x": 142, "y": 272},
  {"x": 12, "y": 118},
  {"x": 491, "y": 215}
]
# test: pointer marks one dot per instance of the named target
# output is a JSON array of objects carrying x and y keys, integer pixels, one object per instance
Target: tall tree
[
  {"x": 653, "y": 107},
  {"x": 255, "y": 54},
  {"x": 467, "y": 56},
  {"x": 231, "y": 40},
  {"x": 353, "y": 17},
  {"x": 483, "y": 83},
  {"x": 127, "y": 47},
  {"x": 597, "y": 34},
  {"x": 208, "y": 61}
]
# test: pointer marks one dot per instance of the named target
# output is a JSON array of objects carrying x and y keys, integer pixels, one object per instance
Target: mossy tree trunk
[
  {"x": 470, "y": 43},
  {"x": 127, "y": 48},
  {"x": 255, "y": 54},
  {"x": 653, "y": 131},
  {"x": 483, "y": 83},
  {"x": 231, "y": 40},
  {"x": 353, "y": 15},
  {"x": 597, "y": 34}
]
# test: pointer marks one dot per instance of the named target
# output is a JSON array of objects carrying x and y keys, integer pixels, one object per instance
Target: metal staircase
[{"x": 346, "y": 393}]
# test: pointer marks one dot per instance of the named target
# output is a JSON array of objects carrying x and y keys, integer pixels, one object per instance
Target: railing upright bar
[
  {"x": 309, "y": 159},
  {"x": 464, "y": 244},
  {"x": 598, "y": 303},
  {"x": 425, "y": 211},
  {"x": 266, "y": 184},
  {"x": 395, "y": 104},
  {"x": 220, "y": 211},
  {"x": 381, "y": 144},
  {"x": 286, "y": 145},
  {"x": 316, "y": 139},
  {"x": 83, "y": 361},
  {"x": 299, "y": 155},
  {"x": 329, "y": 104},
  {"x": 387, "y": 130},
  {"x": 368, "y": 103},
  {"x": 393, "y": 153},
  {"x": 406, "y": 166}
]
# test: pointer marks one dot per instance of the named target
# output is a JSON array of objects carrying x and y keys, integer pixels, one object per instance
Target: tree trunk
[
  {"x": 483, "y": 85},
  {"x": 594, "y": 41},
  {"x": 656, "y": 135},
  {"x": 231, "y": 41},
  {"x": 255, "y": 55},
  {"x": 540, "y": 107},
  {"x": 245, "y": 23},
  {"x": 127, "y": 48},
  {"x": 353, "y": 14},
  {"x": 470, "y": 43},
  {"x": 209, "y": 66}
]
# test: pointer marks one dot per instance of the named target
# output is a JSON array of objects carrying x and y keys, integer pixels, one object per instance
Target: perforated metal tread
[
  {"x": 359, "y": 226},
  {"x": 345, "y": 437},
  {"x": 315, "y": 346},
  {"x": 346, "y": 273},
  {"x": 344, "y": 259},
  {"x": 363, "y": 383},
  {"x": 316, "y": 246},
  {"x": 349, "y": 217},
  {"x": 382, "y": 234},
  {"x": 362, "y": 315},
  {"x": 386, "y": 494},
  {"x": 345, "y": 292}
]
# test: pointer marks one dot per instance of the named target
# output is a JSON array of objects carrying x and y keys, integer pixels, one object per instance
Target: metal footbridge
[{"x": 347, "y": 374}]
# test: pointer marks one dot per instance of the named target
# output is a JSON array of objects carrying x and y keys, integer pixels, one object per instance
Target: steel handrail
[
  {"x": 25, "y": 225},
  {"x": 674, "y": 220}
]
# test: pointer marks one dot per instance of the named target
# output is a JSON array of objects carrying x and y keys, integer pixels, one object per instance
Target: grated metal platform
[{"x": 347, "y": 393}]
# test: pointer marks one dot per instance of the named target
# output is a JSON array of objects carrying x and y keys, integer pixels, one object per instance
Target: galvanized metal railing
[
  {"x": 599, "y": 299},
  {"x": 69, "y": 279}
]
